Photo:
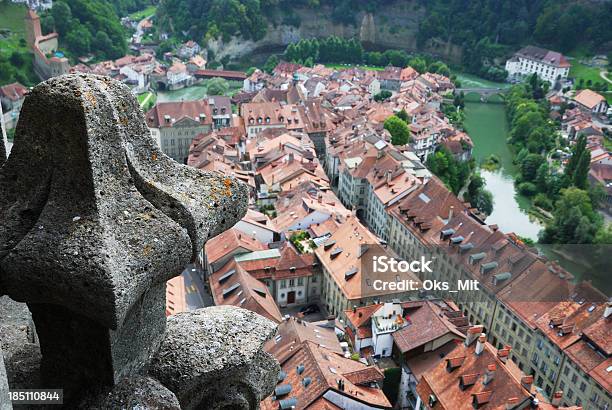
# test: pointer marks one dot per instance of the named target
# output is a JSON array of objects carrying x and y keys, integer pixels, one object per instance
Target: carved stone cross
[{"x": 94, "y": 219}]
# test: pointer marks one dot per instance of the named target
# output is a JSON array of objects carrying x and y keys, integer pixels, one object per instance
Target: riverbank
[{"x": 487, "y": 126}]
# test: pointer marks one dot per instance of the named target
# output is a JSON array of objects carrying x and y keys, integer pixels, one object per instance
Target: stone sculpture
[{"x": 94, "y": 219}]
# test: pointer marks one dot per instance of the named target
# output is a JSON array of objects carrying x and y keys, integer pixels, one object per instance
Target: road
[
  {"x": 603, "y": 74},
  {"x": 196, "y": 294},
  {"x": 137, "y": 38}
]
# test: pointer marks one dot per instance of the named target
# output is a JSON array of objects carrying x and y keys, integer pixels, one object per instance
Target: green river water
[{"x": 487, "y": 125}]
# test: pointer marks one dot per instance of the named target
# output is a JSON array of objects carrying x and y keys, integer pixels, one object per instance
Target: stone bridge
[
  {"x": 94, "y": 219},
  {"x": 484, "y": 93}
]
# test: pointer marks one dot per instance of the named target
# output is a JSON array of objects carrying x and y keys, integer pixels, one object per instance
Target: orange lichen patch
[
  {"x": 154, "y": 156},
  {"x": 147, "y": 250},
  {"x": 228, "y": 184}
]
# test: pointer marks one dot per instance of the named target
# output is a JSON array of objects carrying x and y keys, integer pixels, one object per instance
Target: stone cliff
[{"x": 393, "y": 27}]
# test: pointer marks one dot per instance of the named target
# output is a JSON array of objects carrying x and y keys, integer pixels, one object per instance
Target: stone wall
[{"x": 94, "y": 219}]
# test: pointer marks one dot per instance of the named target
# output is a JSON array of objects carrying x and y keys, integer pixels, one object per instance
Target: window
[
  {"x": 570, "y": 394},
  {"x": 574, "y": 378},
  {"x": 582, "y": 387},
  {"x": 300, "y": 281},
  {"x": 314, "y": 279},
  {"x": 540, "y": 344},
  {"x": 283, "y": 284},
  {"x": 291, "y": 282},
  {"x": 566, "y": 370},
  {"x": 562, "y": 385}
]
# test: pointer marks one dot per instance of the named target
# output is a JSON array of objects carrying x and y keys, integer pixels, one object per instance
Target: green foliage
[
  {"x": 88, "y": 26},
  {"x": 439, "y": 67},
  {"x": 213, "y": 18},
  {"x": 271, "y": 63},
  {"x": 478, "y": 196},
  {"x": 575, "y": 221},
  {"x": 400, "y": 134},
  {"x": 491, "y": 163},
  {"x": 403, "y": 115},
  {"x": 328, "y": 50},
  {"x": 527, "y": 188},
  {"x": 577, "y": 170},
  {"x": 391, "y": 383},
  {"x": 217, "y": 86},
  {"x": 542, "y": 201},
  {"x": 297, "y": 238},
  {"x": 561, "y": 25},
  {"x": 125, "y": 7},
  {"x": 383, "y": 95},
  {"x": 452, "y": 172}
]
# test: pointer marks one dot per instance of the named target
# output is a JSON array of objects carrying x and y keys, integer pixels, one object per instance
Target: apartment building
[
  {"x": 174, "y": 125},
  {"x": 517, "y": 289},
  {"x": 549, "y": 65}
]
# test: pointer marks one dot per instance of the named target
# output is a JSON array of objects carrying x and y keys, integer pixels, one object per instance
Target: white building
[{"x": 548, "y": 65}]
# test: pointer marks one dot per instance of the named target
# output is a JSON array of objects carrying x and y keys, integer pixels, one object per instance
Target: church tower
[{"x": 32, "y": 25}]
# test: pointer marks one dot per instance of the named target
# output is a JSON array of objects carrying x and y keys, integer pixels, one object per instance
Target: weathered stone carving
[{"x": 94, "y": 219}]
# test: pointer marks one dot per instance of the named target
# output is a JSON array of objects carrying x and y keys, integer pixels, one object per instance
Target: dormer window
[
  {"x": 267, "y": 120},
  {"x": 259, "y": 120}
]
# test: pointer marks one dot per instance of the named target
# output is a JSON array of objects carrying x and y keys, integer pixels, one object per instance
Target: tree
[
  {"x": 574, "y": 220},
  {"x": 271, "y": 64},
  {"x": 17, "y": 59},
  {"x": 452, "y": 172},
  {"x": 79, "y": 40},
  {"x": 400, "y": 134},
  {"x": 418, "y": 64},
  {"x": 382, "y": 95},
  {"x": 62, "y": 15},
  {"x": 530, "y": 165},
  {"x": 217, "y": 86},
  {"x": 577, "y": 170},
  {"x": 102, "y": 43},
  {"x": 403, "y": 115}
]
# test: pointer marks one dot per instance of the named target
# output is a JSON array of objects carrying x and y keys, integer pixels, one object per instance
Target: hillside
[{"x": 488, "y": 28}]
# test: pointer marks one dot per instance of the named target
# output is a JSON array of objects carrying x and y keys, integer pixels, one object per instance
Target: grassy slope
[
  {"x": 12, "y": 19},
  {"x": 139, "y": 15}
]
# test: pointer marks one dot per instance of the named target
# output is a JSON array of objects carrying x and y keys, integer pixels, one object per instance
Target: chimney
[
  {"x": 472, "y": 334},
  {"x": 511, "y": 403},
  {"x": 450, "y": 212},
  {"x": 608, "y": 310},
  {"x": 291, "y": 157},
  {"x": 490, "y": 373},
  {"x": 556, "y": 398},
  {"x": 320, "y": 197},
  {"x": 331, "y": 321},
  {"x": 480, "y": 344},
  {"x": 502, "y": 354},
  {"x": 526, "y": 382},
  {"x": 389, "y": 177}
]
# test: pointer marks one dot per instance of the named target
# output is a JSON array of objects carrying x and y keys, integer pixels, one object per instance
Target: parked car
[{"x": 307, "y": 310}]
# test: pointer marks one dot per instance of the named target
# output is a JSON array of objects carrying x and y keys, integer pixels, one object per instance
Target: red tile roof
[
  {"x": 168, "y": 113},
  {"x": 247, "y": 293}
]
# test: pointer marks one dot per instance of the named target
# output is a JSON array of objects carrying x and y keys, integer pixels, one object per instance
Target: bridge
[{"x": 484, "y": 93}]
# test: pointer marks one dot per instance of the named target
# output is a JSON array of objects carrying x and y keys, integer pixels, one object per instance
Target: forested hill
[{"x": 559, "y": 24}]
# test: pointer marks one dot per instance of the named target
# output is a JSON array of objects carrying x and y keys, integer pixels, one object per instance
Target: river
[{"x": 487, "y": 125}]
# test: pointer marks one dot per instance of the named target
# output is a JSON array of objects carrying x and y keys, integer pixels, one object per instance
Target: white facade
[
  {"x": 262, "y": 234},
  {"x": 521, "y": 66},
  {"x": 384, "y": 324}
]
